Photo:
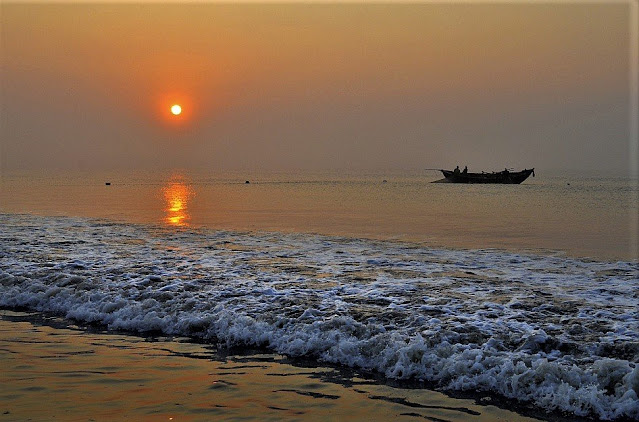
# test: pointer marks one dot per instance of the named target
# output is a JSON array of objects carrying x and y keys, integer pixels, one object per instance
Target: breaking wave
[{"x": 559, "y": 332}]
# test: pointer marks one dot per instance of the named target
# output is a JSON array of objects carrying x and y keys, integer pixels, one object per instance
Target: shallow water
[
  {"x": 561, "y": 333},
  {"x": 93, "y": 375}
]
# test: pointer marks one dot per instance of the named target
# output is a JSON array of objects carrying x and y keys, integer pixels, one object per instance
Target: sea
[{"x": 525, "y": 292}]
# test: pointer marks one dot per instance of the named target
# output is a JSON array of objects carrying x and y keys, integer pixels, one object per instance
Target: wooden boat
[{"x": 505, "y": 177}]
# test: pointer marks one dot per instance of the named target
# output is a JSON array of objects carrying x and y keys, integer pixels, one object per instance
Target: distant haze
[{"x": 316, "y": 86}]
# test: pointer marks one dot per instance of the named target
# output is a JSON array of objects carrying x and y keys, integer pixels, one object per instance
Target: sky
[{"x": 316, "y": 86}]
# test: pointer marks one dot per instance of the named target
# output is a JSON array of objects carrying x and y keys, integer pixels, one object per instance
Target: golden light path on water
[{"x": 177, "y": 194}]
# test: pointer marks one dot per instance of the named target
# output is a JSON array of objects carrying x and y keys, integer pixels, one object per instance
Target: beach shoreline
[{"x": 56, "y": 369}]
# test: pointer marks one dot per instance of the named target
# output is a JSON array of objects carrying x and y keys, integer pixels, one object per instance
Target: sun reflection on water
[{"x": 177, "y": 193}]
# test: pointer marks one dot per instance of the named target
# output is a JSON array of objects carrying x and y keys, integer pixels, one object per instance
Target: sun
[{"x": 176, "y": 109}]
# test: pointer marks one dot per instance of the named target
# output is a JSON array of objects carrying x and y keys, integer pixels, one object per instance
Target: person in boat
[
  {"x": 465, "y": 170},
  {"x": 456, "y": 171}
]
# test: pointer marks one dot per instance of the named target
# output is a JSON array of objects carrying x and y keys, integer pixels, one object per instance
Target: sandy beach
[{"x": 53, "y": 372}]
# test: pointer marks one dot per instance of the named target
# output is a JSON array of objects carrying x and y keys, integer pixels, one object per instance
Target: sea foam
[{"x": 562, "y": 333}]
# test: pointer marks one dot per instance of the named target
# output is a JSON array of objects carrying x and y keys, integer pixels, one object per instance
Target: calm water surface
[{"x": 578, "y": 215}]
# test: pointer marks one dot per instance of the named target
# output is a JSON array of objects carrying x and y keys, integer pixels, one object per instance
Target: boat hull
[{"x": 502, "y": 177}]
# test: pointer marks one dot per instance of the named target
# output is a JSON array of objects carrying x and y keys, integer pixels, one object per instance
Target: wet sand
[{"x": 55, "y": 371}]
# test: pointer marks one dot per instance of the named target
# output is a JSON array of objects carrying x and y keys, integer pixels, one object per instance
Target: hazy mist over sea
[{"x": 318, "y": 86}]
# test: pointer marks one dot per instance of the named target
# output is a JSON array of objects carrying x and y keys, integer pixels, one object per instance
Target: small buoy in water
[
  {"x": 108, "y": 183},
  {"x": 247, "y": 182},
  {"x": 568, "y": 184},
  {"x": 384, "y": 181}
]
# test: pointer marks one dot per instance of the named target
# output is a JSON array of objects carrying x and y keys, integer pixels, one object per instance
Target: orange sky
[{"x": 315, "y": 86}]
